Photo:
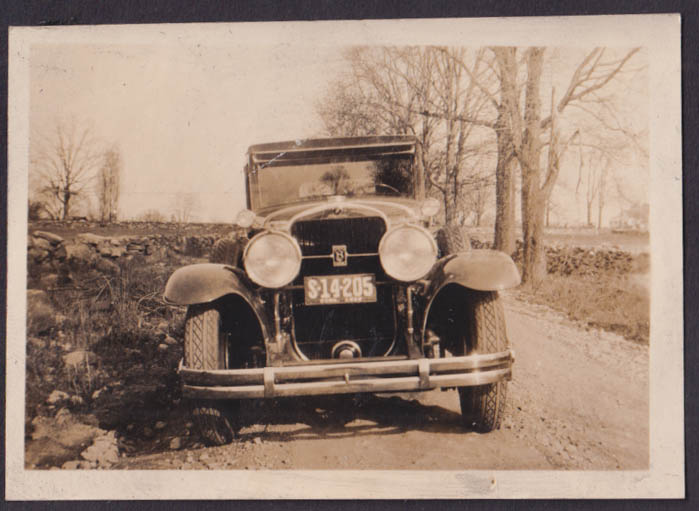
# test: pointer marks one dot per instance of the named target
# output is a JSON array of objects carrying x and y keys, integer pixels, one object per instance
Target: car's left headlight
[
  {"x": 407, "y": 252},
  {"x": 272, "y": 259}
]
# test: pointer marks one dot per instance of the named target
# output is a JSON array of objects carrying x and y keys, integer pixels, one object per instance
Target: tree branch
[{"x": 581, "y": 75}]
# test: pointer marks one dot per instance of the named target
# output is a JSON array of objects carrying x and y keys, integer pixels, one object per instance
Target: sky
[{"x": 183, "y": 114}]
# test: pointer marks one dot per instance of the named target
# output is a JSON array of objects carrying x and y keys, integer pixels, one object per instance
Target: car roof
[
  {"x": 333, "y": 143},
  {"x": 322, "y": 149}
]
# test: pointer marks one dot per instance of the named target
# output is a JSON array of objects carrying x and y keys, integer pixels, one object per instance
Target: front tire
[
  {"x": 205, "y": 348},
  {"x": 482, "y": 406}
]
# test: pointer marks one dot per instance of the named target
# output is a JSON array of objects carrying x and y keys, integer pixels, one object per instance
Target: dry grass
[
  {"x": 112, "y": 315},
  {"x": 619, "y": 304}
]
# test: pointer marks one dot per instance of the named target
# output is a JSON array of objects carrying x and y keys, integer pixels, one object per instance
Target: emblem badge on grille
[{"x": 339, "y": 255}]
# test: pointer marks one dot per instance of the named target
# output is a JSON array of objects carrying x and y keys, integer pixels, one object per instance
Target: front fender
[
  {"x": 481, "y": 270},
  {"x": 202, "y": 283}
]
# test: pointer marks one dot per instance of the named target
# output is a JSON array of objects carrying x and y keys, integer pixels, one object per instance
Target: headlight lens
[
  {"x": 430, "y": 207},
  {"x": 407, "y": 252},
  {"x": 272, "y": 259},
  {"x": 245, "y": 218}
]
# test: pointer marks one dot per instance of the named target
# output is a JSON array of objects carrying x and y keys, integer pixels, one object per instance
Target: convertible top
[{"x": 323, "y": 150}]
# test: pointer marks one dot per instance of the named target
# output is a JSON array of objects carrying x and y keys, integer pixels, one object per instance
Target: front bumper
[{"x": 347, "y": 377}]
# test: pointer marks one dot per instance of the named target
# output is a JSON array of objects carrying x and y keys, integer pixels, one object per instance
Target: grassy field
[{"x": 617, "y": 303}]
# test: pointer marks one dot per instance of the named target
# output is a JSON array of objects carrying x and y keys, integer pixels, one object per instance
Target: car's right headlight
[
  {"x": 272, "y": 259},
  {"x": 407, "y": 252}
]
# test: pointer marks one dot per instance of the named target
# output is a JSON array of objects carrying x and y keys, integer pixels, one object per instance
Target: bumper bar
[{"x": 382, "y": 376}]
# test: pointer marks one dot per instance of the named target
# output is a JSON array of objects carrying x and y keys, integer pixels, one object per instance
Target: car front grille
[
  {"x": 361, "y": 235},
  {"x": 317, "y": 328}
]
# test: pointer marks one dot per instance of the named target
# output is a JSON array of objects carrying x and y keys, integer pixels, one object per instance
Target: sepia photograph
[{"x": 408, "y": 258}]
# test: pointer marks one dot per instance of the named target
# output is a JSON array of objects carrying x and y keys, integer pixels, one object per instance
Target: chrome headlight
[
  {"x": 430, "y": 207},
  {"x": 272, "y": 259},
  {"x": 407, "y": 252},
  {"x": 245, "y": 218}
]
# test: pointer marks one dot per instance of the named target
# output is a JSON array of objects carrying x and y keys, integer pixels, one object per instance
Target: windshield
[{"x": 275, "y": 185}]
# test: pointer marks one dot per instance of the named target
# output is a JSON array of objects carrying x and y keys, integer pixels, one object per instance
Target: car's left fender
[
  {"x": 474, "y": 270},
  {"x": 480, "y": 270}
]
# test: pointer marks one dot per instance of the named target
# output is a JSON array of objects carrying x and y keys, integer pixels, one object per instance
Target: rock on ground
[
  {"x": 80, "y": 359},
  {"x": 55, "y": 239},
  {"x": 57, "y": 396},
  {"x": 104, "y": 451},
  {"x": 79, "y": 254},
  {"x": 55, "y": 441}
]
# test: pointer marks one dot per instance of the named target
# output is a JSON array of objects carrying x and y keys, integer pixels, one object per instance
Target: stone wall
[
  {"x": 102, "y": 252},
  {"x": 90, "y": 250},
  {"x": 568, "y": 260}
]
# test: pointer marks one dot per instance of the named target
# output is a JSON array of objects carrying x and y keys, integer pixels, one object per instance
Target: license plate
[{"x": 333, "y": 289}]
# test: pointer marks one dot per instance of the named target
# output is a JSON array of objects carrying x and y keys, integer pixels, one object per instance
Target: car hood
[{"x": 394, "y": 210}]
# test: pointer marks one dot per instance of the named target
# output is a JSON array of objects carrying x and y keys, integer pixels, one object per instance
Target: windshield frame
[{"x": 326, "y": 152}]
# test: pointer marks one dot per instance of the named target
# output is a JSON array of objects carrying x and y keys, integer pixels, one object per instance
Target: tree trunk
[
  {"x": 450, "y": 208},
  {"x": 504, "y": 170},
  {"x": 504, "y": 190},
  {"x": 66, "y": 204},
  {"x": 533, "y": 200},
  {"x": 600, "y": 196},
  {"x": 419, "y": 173},
  {"x": 534, "y": 257}
]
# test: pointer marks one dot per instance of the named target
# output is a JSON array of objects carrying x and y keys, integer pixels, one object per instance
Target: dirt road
[{"x": 578, "y": 400}]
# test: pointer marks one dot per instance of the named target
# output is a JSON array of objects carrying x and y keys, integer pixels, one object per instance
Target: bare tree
[
  {"x": 594, "y": 176},
  {"x": 423, "y": 91},
  {"x": 552, "y": 207},
  {"x": 64, "y": 166},
  {"x": 108, "y": 180},
  {"x": 184, "y": 206},
  {"x": 477, "y": 196},
  {"x": 534, "y": 135},
  {"x": 445, "y": 97},
  {"x": 458, "y": 100},
  {"x": 496, "y": 82},
  {"x": 384, "y": 91}
]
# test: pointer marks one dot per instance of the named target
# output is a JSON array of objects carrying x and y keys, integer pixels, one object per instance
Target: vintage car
[{"x": 338, "y": 282}]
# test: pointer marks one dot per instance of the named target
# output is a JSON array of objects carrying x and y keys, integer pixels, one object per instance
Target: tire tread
[
  {"x": 482, "y": 406},
  {"x": 214, "y": 419}
]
